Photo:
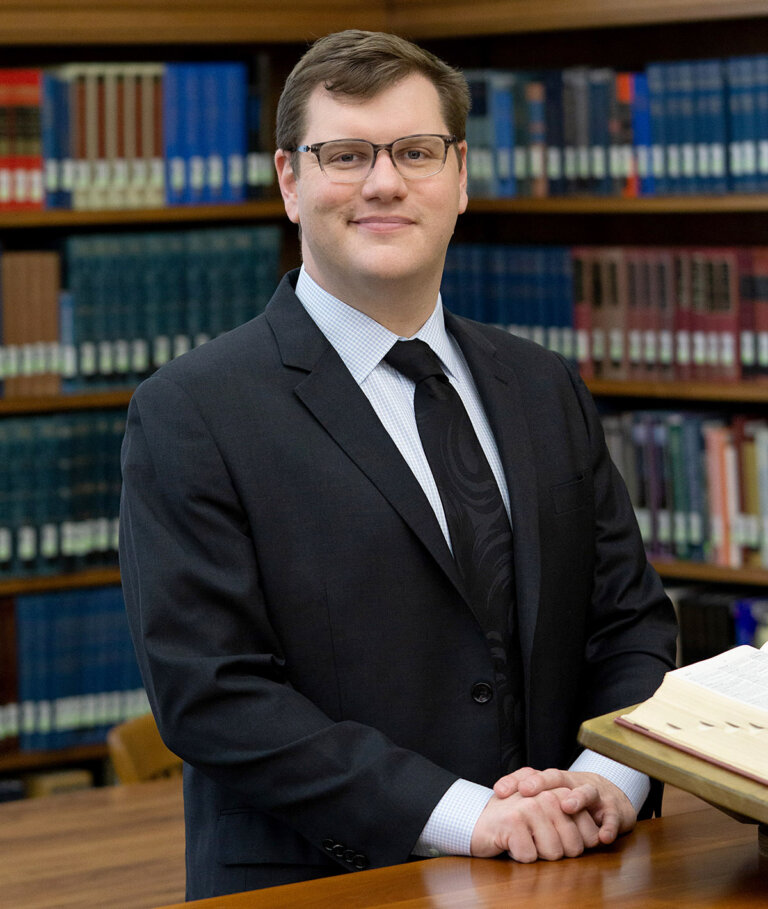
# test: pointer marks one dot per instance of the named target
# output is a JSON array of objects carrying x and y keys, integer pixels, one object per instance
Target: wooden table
[
  {"x": 120, "y": 847},
  {"x": 123, "y": 848},
  {"x": 701, "y": 858}
]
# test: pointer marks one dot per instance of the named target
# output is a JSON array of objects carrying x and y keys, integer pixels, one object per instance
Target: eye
[{"x": 344, "y": 157}]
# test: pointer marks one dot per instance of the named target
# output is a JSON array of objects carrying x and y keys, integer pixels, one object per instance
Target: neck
[{"x": 401, "y": 308}]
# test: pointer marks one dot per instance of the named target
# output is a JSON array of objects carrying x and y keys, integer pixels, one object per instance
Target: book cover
[
  {"x": 501, "y": 103},
  {"x": 27, "y": 150},
  {"x": 642, "y": 134},
  {"x": 655, "y": 77},
  {"x": 714, "y": 709},
  {"x": 259, "y": 117},
  {"x": 554, "y": 114},
  {"x": 479, "y": 134}
]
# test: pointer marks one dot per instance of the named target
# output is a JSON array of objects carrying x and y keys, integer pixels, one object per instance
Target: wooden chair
[{"x": 138, "y": 753}]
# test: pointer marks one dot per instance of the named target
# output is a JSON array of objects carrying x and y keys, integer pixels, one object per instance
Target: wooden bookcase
[{"x": 503, "y": 33}]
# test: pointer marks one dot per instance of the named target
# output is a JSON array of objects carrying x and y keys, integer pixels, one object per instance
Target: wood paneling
[
  {"x": 70, "y": 22},
  {"x": 442, "y": 18},
  {"x": 133, "y": 22}
]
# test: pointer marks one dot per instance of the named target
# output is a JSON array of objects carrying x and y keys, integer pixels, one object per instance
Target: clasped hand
[{"x": 550, "y": 814}]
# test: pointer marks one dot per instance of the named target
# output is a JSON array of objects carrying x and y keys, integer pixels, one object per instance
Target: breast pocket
[{"x": 570, "y": 496}]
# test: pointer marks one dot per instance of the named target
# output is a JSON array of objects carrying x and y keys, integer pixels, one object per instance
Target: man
[{"x": 310, "y": 641}]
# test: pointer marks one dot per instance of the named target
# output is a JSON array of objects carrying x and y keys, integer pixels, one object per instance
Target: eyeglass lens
[{"x": 351, "y": 160}]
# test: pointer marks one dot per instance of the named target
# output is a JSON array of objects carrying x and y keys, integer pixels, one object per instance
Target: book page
[{"x": 740, "y": 674}]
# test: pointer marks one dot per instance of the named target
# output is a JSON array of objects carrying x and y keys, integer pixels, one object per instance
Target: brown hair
[{"x": 360, "y": 64}]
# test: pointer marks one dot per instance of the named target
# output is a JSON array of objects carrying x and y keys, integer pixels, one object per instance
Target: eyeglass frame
[{"x": 448, "y": 141}]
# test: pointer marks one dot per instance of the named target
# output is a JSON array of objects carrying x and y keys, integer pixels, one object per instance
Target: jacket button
[
  {"x": 338, "y": 850},
  {"x": 482, "y": 692},
  {"x": 360, "y": 861},
  {"x": 328, "y": 845}
]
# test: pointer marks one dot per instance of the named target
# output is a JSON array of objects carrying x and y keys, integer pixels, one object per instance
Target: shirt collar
[{"x": 359, "y": 340}]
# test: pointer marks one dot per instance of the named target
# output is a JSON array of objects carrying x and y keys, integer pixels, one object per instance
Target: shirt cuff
[
  {"x": 633, "y": 784},
  {"x": 449, "y": 828}
]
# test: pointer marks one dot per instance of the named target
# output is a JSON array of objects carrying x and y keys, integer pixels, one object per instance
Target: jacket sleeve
[
  {"x": 211, "y": 661},
  {"x": 632, "y": 627}
]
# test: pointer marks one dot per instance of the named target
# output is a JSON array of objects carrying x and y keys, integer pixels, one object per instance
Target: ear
[
  {"x": 287, "y": 180},
  {"x": 463, "y": 197}
]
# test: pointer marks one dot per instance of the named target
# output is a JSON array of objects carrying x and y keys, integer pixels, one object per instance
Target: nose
[{"x": 384, "y": 178}]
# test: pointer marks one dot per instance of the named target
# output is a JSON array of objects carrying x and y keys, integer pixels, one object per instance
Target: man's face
[{"x": 387, "y": 231}]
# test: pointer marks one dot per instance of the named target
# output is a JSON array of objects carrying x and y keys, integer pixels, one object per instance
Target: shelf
[
  {"x": 88, "y": 577},
  {"x": 737, "y": 392},
  {"x": 699, "y": 571},
  {"x": 257, "y": 210},
  {"x": 24, "y": 761},
  {"x": 457, "y": 18},
  {"x": 53, "y": 404},
  {"x": 133, "y": 22},
  {"x": 272, "y": 209},
  {"x": 615, "y": 205}
]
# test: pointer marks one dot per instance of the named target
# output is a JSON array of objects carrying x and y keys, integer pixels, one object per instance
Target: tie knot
[{"x": 416, "y": 360}]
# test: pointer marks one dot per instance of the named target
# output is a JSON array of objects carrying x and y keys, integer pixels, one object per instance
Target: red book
[
  {"x": 760, "y": 305},
  {"x": 637, "y": 298},
  {"x": 5, "y": 137},
  {"x": 614, "y": 312},
  {"x": 626, "y": 168},
  {"x": 683, "y": 314},
  {"x": 26, "y": 153},
  {"x": 663, "y": 303}
]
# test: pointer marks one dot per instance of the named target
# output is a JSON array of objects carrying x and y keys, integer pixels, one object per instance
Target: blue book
[
  {"x": 760, "y": 67},
  {"x": 501, "y": 103},
  {"x": 641, "y": 133},
  {"x": 31, "y": 642},
  {"x": 711, "y": 126},
  {"x": 173, "y": 134},
  {"x": 67, "y": 346},
  {"x": 210, "y": 126},
  {"x": 690, "y": 181},
  {"x": 194, "y": 132},
  {"x": 52, "y": 152},
  {"x": 82, "y": 267},
  {"x": 657, "y": 105},
  {"x": 233, "y": 95},
  {"x": 742, "y": 121},
  {"x": 673, "y": 112},
  {"x": 553, "y": 91},
  {"x": 479, "y": 133}
]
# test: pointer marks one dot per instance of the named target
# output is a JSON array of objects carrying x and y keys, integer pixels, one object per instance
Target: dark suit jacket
[{"x": 297, "y": 616}]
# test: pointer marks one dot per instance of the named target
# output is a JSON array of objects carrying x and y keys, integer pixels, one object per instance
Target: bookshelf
[{"x": 503, "y": 33}]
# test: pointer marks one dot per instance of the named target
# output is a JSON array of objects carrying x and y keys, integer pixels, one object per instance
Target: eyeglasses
[{"x": 352, "y": 160}]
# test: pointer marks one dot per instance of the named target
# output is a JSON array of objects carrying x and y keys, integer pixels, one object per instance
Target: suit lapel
[
  {"x": 500, "y": 393},
  {"x": 331, "y": 394}
]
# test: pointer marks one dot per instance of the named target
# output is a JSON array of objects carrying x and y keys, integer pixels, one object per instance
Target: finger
[
  {"x": 539, "y": 781},
  {"x": 520, "y": 844},
  {"x": 588, "y": 829},
  {"x": 609, "y": 825},
  {"x": 584, "y": 797},
  {"x": 509, "y": 784}
]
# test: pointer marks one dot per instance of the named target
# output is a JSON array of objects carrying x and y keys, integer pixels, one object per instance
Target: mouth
[{"x": 382, "y": 223}]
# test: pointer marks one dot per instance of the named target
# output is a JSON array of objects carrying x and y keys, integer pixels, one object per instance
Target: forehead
[{"x": 410, "y": 106}]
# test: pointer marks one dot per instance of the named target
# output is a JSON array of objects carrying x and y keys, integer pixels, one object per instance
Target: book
[{"x": 715, "y": 709}]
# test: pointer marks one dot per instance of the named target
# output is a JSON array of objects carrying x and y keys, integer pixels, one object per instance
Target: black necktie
[{"x": 481, "y": 536}]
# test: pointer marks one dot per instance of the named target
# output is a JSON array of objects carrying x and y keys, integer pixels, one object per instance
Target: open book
[{"x": 716, "y": 709}]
